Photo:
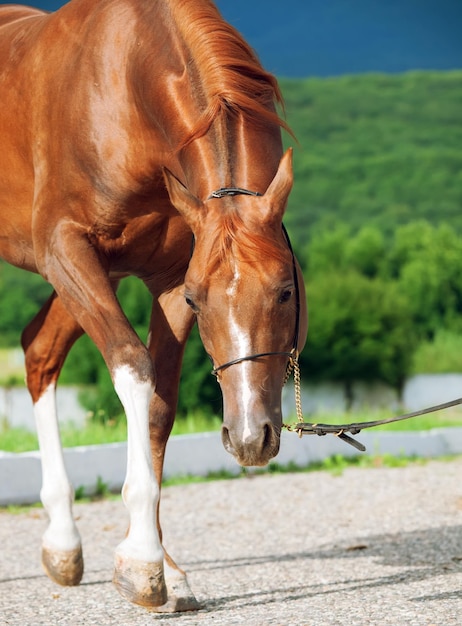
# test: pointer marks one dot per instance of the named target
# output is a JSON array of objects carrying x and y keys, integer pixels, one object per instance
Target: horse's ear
[
  {"x": 277, "y": 194},
  {"x": 190, "y": 207}
]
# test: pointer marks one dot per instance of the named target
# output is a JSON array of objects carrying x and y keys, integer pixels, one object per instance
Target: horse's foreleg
[
  {"x": 76, "y": 271},
  {"x": 171, "y": 323},
  {"x": 46, "y": 342},
  {"x": 138, "y": 573}
]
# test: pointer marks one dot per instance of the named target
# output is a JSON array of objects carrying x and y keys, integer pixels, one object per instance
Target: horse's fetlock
[{"x": 136, "y": 362}]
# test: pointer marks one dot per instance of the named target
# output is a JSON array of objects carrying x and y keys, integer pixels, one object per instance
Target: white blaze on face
[{"x": 241, "y": 340}]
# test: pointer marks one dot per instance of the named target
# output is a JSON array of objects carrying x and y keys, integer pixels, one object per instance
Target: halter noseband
[{"x": 292, "y": 355}]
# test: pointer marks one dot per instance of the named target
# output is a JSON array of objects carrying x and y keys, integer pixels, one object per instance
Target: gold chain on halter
[{"x": 294, "y": 367}]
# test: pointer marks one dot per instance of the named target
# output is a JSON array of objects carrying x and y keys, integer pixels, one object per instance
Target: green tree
[
  {"x": 360, "y": 329},
  {"x": 199, "y": 390},
  {"x": 375, "y": 149},
  {"x": 326, "y": 249},
  {"x": 21, "y": 295},
  {"x": 365, "y": 252},
  {"x": 426, "y": 262}
]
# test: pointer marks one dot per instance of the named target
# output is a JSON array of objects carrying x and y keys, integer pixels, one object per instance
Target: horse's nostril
[
  {"x": 267, "y": 438},
  {"x": 226, "y": 438}
]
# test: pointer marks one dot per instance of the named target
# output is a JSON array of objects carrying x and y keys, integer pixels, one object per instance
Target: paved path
[{"x": 372, "y": 546}]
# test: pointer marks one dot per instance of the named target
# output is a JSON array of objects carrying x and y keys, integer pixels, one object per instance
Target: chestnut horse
[{"x": 129, "y": 129}]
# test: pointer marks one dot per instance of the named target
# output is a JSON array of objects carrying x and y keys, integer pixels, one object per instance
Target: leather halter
[
  {"x": 291, "y": 355},
  {"x": 308, "y": 428},
  {"x": 232, "y": 191}
]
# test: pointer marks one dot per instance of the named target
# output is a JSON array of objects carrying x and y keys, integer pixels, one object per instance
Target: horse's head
[{"x": 246, "y": 289}]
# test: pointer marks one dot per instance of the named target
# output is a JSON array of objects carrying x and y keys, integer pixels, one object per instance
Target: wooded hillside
[{"x": 382, "y": 150}]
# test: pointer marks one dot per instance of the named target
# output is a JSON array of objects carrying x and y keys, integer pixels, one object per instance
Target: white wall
[
  {"x": 419, "y": 392},
  {"x": 198, "y": 455},
  {"x": 16, "y": 407}
]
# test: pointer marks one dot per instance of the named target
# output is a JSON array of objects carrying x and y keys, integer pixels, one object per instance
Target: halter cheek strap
[
  {"x": 307, "y": 428},
  {"x": 291, "y": 355}
]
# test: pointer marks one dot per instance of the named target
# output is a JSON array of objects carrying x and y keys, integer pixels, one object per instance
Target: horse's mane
[
  {"x": 234, "y": 82},
  {"x": 232, "y": 77}
]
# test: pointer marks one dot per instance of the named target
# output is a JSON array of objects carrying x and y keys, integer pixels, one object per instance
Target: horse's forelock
[{"x": 235, "y": 239}]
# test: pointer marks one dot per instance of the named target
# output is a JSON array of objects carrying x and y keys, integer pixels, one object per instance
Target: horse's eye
[
  {"x": 285, "y": 296},
  {"x": 190, "y": 302}
]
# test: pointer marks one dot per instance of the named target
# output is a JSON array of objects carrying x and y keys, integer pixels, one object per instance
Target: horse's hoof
[
  {"x": 140, "y": 582},
  {"x": 180, "y": 598},
  {"x": 178, "y": 605},
  {"x": 64, "y": 567}
]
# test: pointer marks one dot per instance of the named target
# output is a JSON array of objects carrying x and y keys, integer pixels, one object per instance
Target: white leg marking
[
  {"x": 243, "y": 348},
  {"x": 140, "y": 491},
  {"x": 56, "y": 494}
]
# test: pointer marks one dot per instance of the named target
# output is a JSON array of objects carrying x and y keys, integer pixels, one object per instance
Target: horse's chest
[{"x": 150, "y": 245}]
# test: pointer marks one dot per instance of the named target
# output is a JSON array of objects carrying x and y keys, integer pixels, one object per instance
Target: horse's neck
[
  {"x": 232, "y": 154},
  {"x": 234, "y": 151}
]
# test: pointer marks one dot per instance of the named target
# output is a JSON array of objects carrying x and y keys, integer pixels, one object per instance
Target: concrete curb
[{"x": 199, "y": 455}]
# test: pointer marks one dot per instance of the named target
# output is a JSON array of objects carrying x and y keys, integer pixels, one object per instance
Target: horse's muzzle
[{"x": 252, "y": 448}]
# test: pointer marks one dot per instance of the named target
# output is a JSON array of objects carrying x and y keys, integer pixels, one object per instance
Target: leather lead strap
[{"x": 340, "y": 430}]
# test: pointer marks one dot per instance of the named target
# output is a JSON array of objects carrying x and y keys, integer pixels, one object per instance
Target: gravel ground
[{"x": 372, "y": 546}]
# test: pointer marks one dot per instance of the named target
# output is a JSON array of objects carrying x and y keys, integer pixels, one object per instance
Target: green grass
[
  {"x": 196, "y": 423},
  {"x": 94, "y": 433},
  {"x": 17, "y": 439},
  {"x": 441, "y": 355},
  {"x": 11, "y": 367},
  {"x": 335, "y": 465}
]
